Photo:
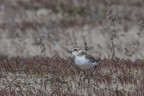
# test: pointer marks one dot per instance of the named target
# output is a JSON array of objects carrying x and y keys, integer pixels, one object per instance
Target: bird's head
[{"x": 76, "y": 51}]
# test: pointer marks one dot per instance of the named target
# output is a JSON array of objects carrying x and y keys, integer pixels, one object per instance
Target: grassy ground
[
  {"x": 41, "y": 32},
  {"x": 39, "y": 76}
]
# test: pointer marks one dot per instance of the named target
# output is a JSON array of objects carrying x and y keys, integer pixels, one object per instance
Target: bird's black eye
[{"x": 74, "y": 49}]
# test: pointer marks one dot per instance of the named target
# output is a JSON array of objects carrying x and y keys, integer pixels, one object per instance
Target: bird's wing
[{"x": 92, "y": 59}]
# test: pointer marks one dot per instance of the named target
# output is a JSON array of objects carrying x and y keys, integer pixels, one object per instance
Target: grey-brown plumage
[
  {"x": 84, "y": 60},
  {"x": 90, "y": 57}
]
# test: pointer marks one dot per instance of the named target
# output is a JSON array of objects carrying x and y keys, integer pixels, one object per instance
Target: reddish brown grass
[{"x": 58, "y": 76}]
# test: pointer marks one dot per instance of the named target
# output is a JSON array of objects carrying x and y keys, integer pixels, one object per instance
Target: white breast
[{"x": 83, "y": 62}]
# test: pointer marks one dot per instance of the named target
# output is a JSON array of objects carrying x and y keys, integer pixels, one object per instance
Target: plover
[{"x": 84, "y": 60}]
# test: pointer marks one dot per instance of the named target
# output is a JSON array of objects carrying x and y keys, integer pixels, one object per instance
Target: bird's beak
[{"x": 69, "y": 51}]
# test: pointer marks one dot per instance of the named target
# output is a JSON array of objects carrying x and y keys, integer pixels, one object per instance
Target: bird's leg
[
  {"x": 89, "y": 75},
  {"x": 81, "y": 74},
  {"x": 85, "y": 74},
  {"x": 92, "y": 72},
  {"x": 94, "y": 69}
]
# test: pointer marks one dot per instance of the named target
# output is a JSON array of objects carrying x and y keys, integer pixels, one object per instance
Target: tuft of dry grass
[{"x": 38, "y": 76}]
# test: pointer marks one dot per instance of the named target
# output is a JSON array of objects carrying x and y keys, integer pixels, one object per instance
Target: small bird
[{"x": 84, "y": 60}]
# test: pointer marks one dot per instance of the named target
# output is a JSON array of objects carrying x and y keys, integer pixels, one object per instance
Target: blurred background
[{"x": 113, "y": 28}]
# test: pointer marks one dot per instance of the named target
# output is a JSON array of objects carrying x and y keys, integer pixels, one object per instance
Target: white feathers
[{"x": 84, "y": 60}]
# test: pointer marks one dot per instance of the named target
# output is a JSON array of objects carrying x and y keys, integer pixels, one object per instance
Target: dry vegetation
[
  {"x": 24, "y": 22},
  {"x": 44, "y": 76},
  {"x": 35, "y": 34}
]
